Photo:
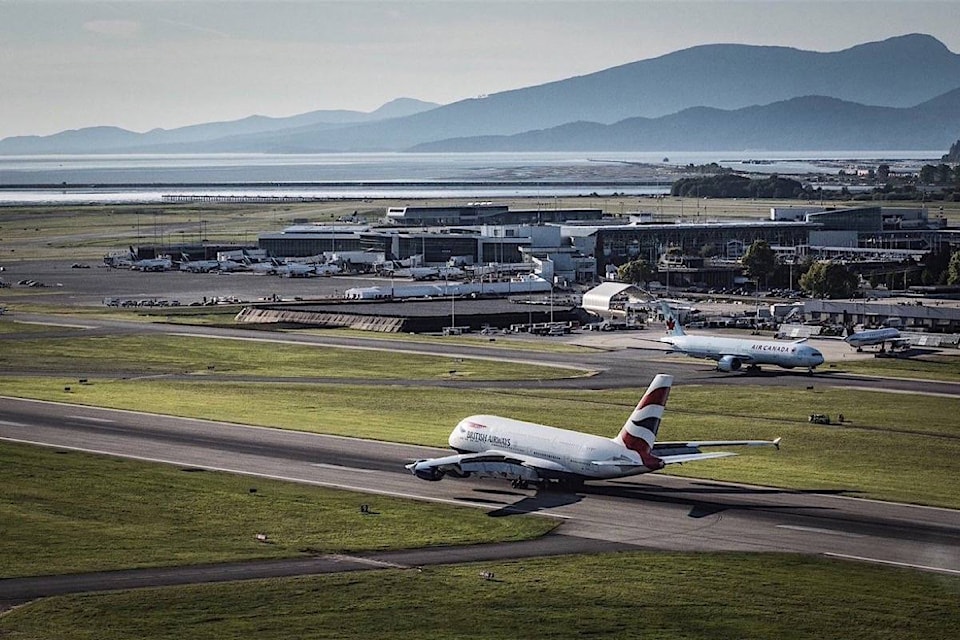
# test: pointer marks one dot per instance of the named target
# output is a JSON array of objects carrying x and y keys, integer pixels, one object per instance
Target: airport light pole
[{"x": 551, "y": 300}]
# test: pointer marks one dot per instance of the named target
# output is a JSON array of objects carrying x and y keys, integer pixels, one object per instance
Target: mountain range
[{"x": 900, "y": 93}]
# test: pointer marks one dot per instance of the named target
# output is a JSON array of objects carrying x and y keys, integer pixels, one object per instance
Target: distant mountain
[
  {"x": 201, "y": 137},
  {"x": 710, "y": 79},
  {"x": 719, "y": 76},
  {"x": 809, "y": 123}
]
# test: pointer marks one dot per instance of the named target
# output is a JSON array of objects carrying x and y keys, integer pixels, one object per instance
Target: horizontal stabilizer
[
  {"x": 716, "y": 443},
  {"x": 690, "y": 457}
]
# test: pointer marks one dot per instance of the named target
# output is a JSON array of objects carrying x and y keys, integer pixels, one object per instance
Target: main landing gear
[{"x": 546, "y": 484}]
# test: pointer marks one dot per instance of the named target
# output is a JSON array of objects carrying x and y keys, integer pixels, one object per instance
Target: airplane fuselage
[
  {"x": 752, "y": 352},
  {"x": 872, "y": 336},
  {"x": 572, "y": 452}
]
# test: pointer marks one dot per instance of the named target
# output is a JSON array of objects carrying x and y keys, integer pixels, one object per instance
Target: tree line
[
  {"x": 933, "y": 182},
  {"x": 824, "y": 278}
]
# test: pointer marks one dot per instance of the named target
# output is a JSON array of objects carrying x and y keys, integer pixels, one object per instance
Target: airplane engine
[
  {"x": 728, "y": 364},
  {"x": 433, "y": 475}
]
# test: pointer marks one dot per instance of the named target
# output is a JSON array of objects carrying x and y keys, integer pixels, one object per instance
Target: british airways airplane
[
  {"x": 527, "y": 453},
  {"x": 732, "y": 353}
]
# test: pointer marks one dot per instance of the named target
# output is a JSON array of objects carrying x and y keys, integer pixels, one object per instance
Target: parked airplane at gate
[
  {"x": 732, "y": 353},
  {"x": 432, "y": 273},
  {"x": 206, "y": 266},
  {"x": 149, "y": 264},
  {"x": 528, "y": 453},
  {"x": 268, "y": 267},
  {"x": 869, "y": 337}
]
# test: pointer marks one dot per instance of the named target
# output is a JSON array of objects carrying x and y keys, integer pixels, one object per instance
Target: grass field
[
  {"x": 157, "y": 355},
  {"x": 126, "y": 514},
  {"x": 946, "y": 368},
  {"x": 493, "y": 342},
  {"x": 668, "y": 596}
]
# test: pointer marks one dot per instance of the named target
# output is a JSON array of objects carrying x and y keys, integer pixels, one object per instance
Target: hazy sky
[{"x": 141, "y": 64}]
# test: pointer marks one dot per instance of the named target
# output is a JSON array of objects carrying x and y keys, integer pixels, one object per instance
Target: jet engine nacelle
[
  {"x": 432, "y": 474},
  {"x": 729, "y": 363}
]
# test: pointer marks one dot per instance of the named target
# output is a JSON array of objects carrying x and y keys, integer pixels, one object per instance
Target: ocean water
[{"x": 148, "y": 178}]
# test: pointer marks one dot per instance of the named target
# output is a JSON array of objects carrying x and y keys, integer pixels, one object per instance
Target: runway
[{"x": 653, "y": 511}]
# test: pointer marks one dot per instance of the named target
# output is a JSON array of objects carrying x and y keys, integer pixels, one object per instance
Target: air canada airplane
[
  {"x": 732, "y": 353},
  {"x": 528, "y": 453},
  {"x": 868, "y": 337}
]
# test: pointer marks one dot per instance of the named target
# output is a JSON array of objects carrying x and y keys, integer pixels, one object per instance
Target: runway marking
[
  {"x": 904, "y": 391},
  {"x": 13, "y": 424},
  {"x": 271, "y": 476},
  {"x": 339, "y": 557},
  {"x": 55, "y": 324},
  {"x": 91, "y": 419},
  {"x": 340, "y": 467},
  {"x": 907, "y": 565},
  {"x": 830, "y": 532}
]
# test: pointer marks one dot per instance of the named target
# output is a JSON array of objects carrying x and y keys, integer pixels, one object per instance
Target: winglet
[{"x": 776, "y": 443}]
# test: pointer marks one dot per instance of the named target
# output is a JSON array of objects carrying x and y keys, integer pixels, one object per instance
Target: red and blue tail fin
[{"x": 639, "y": 433}]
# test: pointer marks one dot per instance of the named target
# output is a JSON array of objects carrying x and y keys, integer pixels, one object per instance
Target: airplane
[
  {"x": 149, "y": 264},
  {"x": 206, "y": 266},
  {"x": 198, "y": 266},
  {"x": 228, "y": 266},
  {"x": 431, "y": 273},
  {"x": 295, "y": 270},
  {"x": 526, "y": 453},
  {"x": 327, "y": 269},
  {"x": 268, "y": 267},
  {"x": 868, "y": 337},
  {"x": 732, "y": 353}
]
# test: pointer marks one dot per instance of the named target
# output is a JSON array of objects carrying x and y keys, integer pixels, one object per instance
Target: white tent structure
[{"x": 614, "y": 300}]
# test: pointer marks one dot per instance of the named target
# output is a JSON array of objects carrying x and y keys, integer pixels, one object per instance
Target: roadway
[{"x": 650, "y": 512}]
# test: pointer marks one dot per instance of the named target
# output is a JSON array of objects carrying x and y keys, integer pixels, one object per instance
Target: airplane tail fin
[
  {"x": 671, "y": 320},
  {"x": 639, "y": 433}
]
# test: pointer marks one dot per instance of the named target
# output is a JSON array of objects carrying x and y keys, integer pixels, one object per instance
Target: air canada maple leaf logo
[{"x": 671, "y": 324}]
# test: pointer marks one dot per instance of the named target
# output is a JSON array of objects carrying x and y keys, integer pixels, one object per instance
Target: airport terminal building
[{"x": 584, "y": 246}]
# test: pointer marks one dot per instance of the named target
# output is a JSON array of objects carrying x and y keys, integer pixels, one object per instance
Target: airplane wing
[{"x": 497, "y": 464}]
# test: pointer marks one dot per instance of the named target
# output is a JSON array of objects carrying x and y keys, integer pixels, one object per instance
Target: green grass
[
  {"x": 11, "y": 328},
  {"x": 668, "y": 596},
  {"x": 941, "y": 367},
  {"x": 155, "y": 355},
  {"x": 64, "y": 512},
  {"x": 875, "y": 454},
  {"x": 545, "y": 344}
]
